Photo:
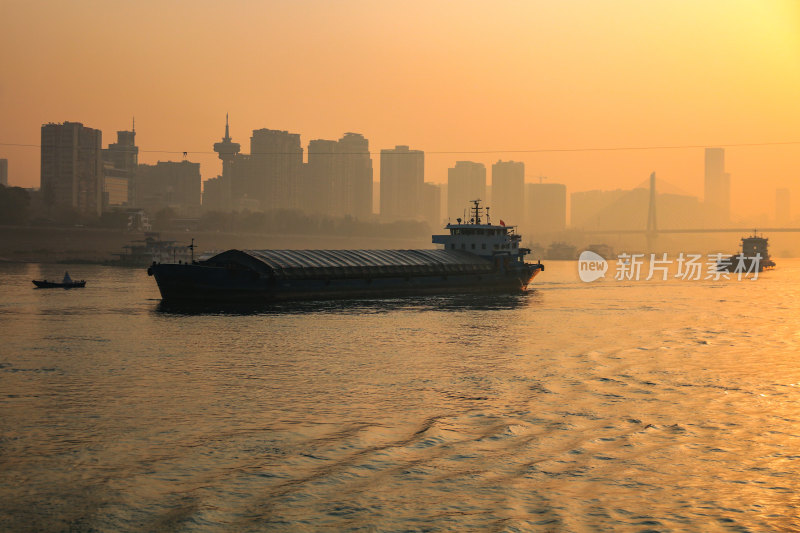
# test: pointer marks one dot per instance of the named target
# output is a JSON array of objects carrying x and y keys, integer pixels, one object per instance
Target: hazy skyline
[{"x": 440, "y": 77}]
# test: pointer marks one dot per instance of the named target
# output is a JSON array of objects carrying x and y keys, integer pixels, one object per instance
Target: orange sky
[{"x": 438, "y": 76}]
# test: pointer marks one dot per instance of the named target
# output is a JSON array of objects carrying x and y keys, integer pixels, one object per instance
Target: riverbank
[{"x": 26, "y": 244}]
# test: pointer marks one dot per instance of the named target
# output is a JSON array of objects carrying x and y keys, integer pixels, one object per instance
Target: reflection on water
[
  {"x": 475, "y": 302},
  {"x": 632, "y": 406}
]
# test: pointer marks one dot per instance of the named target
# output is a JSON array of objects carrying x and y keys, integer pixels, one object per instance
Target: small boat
[
  {"x": 66, "y": 283},
  {"x": 561, "y": 251},
  {"x": 603, "y": 250}
]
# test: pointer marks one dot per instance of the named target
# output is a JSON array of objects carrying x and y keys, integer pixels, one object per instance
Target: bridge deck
[{"x": 694, "y": 230}]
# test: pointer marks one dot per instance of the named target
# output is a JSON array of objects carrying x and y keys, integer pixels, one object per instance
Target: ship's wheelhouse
[
  {"x": 755, "y": 245},
  {"x": 486, "y": 240}
]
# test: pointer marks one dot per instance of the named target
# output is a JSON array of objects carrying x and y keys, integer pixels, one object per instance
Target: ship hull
[
  {"x": 747, "y": 266},
  {"x": 193, "y": 283},
  {"x": 44, "y": 284}
]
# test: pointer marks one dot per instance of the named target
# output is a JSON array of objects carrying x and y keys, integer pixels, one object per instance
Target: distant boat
[
  {"x": 745, "y": 261},
  {"x": 66, "y": 283},
  {"x": 561, "y": 251},
  {"x": 603, "y": 250},
  {"x": 143, "y": 252}
]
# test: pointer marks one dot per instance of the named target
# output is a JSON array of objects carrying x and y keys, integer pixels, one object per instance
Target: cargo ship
[
  {"x": 476, "y": 256},
  {"x": 753, "y": 256}
]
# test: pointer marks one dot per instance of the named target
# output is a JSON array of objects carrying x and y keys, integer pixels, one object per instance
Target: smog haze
[{"x": 437, "y": 76}]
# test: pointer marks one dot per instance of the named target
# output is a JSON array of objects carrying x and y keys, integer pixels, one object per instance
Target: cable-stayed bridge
[{"x": 651, "y": 231}]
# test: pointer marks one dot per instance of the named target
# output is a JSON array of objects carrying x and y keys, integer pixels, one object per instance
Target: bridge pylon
[{"x": 652, "y": 226}]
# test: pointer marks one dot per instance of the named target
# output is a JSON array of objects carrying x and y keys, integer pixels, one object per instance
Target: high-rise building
[
  {"x": 545, "y": 208},
  {"x": 508, "y": 191},
  {"x": 123, "y": 154},
  {"x": 120, "y": 160},
  {"x": 783, "y": 208},
  {"x": 443, "y": 204},
  {"x": 324, "y": 192},
  {"x": 222, "y": 191},
  {"x": 276, "y": 168},
  {"x": 244, "y": 190},
  {"x": 356, "y": 175},
  {"x": 72, "y": 167},
  {"x": 402, "y": 176},
  {"x": 717, "y": 188},
  {"x": 213, "y": 195},
  {"x": 432, "y": 205},
  {"x": 466, "y": 182},
  {"x": 4, "y": 172},
  {"x": 115, "y": 191},
  {"x": 176, "y": 185},
  {"x": 338, "y": 177}
]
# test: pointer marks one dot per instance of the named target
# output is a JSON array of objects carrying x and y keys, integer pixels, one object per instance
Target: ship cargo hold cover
[{"x": 350, "y": 264}]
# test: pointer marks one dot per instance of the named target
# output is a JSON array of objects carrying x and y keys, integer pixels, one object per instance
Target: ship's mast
[{"x": 477, "y": 210}]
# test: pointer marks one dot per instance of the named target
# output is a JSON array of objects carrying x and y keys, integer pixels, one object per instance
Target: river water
[{"x": 614, "y": 405}]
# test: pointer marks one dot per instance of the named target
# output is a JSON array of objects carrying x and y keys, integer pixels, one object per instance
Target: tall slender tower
[
  {"x": 227, "y": 150},
  {"x": 652, "y": 226},
  {"x": 717, "y": 197}
]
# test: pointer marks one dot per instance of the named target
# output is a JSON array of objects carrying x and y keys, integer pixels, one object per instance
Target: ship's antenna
[
  {"x": 191, "y": 249},
  {"x": 477, "y": 210},
  {"x": 488, "y": 220}
]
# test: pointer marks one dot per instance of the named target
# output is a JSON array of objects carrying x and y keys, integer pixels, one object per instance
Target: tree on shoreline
[
  {"x": 17, "y": 208},
  {"x": 294, "y": 222}
]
